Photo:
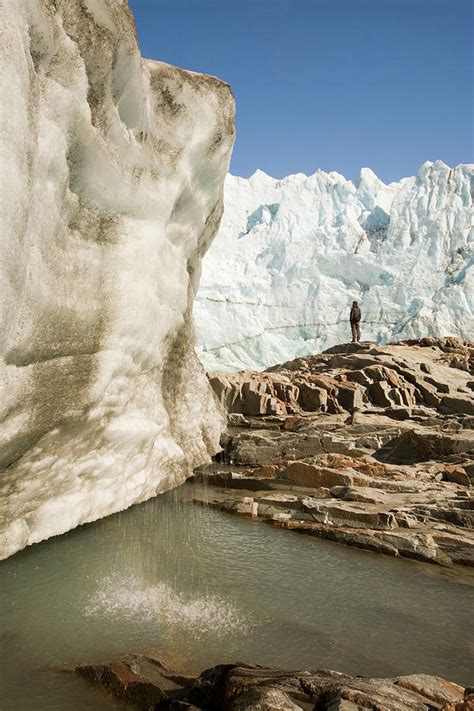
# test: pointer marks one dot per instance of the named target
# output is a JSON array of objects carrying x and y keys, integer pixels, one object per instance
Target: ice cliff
[
  {"x": 292, "y": 254},
  {"x": 111, "y": 191}
]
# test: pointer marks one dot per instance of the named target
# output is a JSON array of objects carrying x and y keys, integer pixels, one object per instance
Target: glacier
[
  {"x": 111, "y": 190},
  {"x": 291, "y": 255}
]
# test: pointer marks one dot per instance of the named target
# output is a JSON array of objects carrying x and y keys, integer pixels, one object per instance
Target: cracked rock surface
[
  {"x": 365, "y": 445},
  {"x": 149, "y": 684}
]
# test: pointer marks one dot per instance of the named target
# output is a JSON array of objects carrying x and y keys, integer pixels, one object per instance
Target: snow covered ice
[
  {"x": 111, "y": 190},
  {"x": 291, "y": 256}
]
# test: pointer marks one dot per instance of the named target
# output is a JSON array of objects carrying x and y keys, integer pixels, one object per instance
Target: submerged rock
[{"x": 112, "y": 192}]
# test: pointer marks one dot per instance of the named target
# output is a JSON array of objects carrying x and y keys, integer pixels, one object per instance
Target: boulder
[
  {"x": 326, "y": 382},
  {"x": 311, "y": 397},
  {"x": 249, "y": 687},
  {"x": 383, "y": 373},
  {"x": 456, "y": 474},
  {"x": 136, "y": 679},
  {"x": 368, "y": 466},
  {"x": 236, "y": 419},
  {"x": 360, "y": 376},
  {"x": 349, "y": 396}
]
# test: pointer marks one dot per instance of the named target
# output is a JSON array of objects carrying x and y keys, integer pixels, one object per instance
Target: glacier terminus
[
  {"x": 111, "y": 185},
  {"x": 292, "y": 254}
]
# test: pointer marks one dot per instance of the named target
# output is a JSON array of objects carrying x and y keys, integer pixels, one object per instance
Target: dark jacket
[{"x": 355, "y": 314}]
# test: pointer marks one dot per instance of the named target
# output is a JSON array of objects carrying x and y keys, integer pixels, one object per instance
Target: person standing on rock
[{"x": 355, "y": 322}]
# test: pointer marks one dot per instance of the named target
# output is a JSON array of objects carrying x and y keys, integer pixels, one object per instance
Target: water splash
[{"x": 130, "y": 597}]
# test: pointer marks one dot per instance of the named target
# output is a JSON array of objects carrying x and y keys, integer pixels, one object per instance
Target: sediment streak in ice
[{"x": 111, "y": 191}]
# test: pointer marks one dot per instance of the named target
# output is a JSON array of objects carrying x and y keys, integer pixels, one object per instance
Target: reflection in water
[{"x": 201, "y": 587}]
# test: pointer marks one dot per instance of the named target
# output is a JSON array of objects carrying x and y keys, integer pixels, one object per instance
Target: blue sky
[{"x": 329, "y": 84}]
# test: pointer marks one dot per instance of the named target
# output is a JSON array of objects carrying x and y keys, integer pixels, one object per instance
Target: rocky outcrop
[
  {"x": 148, "y": 684},
  {"x": 357, "y": 377},
  {"x": 112, "y": 191},
  {"x": 392, "y": 473},
  {"x": 255, "y": 393}
]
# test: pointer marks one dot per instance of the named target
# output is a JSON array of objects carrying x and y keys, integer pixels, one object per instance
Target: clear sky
[{"x": 330, "y": 84}]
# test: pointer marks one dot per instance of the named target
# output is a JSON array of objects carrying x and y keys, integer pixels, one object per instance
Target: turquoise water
[{"x": 202, "y": 587}]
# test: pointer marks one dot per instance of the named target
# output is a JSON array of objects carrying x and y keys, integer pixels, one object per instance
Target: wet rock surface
[
  {"x": 371, "y": 446},
  {"x": 148, "y": 684}
]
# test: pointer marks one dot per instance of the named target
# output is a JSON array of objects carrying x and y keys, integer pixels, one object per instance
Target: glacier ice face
[
  {"x": 291, "y": 256},
  {"x": 111, "y": 191}
]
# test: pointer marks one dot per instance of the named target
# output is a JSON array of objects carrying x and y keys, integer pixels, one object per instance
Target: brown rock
[
  {"x": 256, "y": 399},
  {"x": 333, "y": 406},
  {"x": 457, "y": 404},
  {"x": 360, "y": 376},
  {"x": 327, "y": 382},
  {"x": 312, "y": 476},
  {"x": 349, "y": 396},
  {"x": 456, "y": 474},
  {"x": 136, "y": 679},
  {"x": 379, "y": 394},
  {"x": 381, "y": 373},
  {"x": 467, "y": 704},
  {"x": 236, "y": 419},
  {"x": 369, "y": 466},
  {"x": 265, "y": 472},
  {"x": 427, "y": 395},
  {"x": 349, "y": 515},
  {"x": 311, "y": 397},
  {"x": 250, "y": 393},
  {"x": 263, "y": 699},
  {"x": 292, "y": 424},
  {"x": 421, "y": 445},
  {"x": 421, "y": 466},
  {"x": 247, "y": 687},
  {"x": 363, "y": 494}
]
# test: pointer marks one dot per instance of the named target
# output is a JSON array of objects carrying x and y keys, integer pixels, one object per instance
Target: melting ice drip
[{"x": 130, "y": 597}]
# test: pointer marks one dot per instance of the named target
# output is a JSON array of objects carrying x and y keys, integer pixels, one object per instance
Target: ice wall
[
  {"x": 291, "y": 256},
  {"x": 111, "y": 191}
]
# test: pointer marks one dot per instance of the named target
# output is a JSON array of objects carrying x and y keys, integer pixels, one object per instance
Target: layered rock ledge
[
  {"x": 111, "y": 193},
  {"x": 149, "y": 685},
  {"x": 366, "y": 445}
]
